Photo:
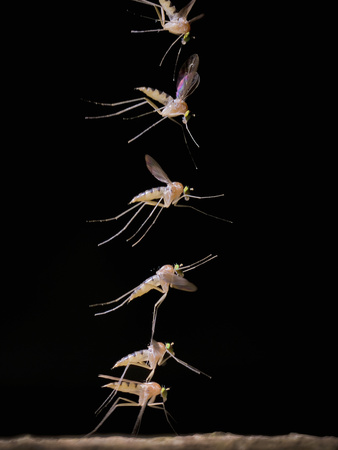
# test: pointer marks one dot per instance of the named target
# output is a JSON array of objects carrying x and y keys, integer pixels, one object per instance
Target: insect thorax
[
  {"x": 177, "y": 107},
  {"x": 149, "y": 390},
  {"x": 173, "y": 193},
  {"x": 178, "y": 26}
]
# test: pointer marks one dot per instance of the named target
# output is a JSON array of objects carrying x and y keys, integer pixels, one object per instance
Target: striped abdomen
[
  {"x": 155, "y": 94},
  {"x": 133, "y": 358},
  {"x": 150, "y": 194}
]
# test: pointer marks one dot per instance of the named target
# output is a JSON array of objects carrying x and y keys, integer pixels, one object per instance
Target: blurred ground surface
[{"x": 215, "y": 441}]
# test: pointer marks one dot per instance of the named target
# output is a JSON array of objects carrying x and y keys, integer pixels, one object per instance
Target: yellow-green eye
[
  {"x": 170, "y": 348},
  {"x": 177, "y": 269},
  {"x": 187, "y": 115},
  {"x": 186, "y": 192},
  {"x": 164, "y": 394},
  {"x": 186, "y": 38}
]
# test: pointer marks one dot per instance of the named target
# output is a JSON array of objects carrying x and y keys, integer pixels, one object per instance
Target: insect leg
[
  {"x": 157, "y": 305},
  {"x": 113, "y": 393},
  {"x": 155, "y": 206},
  {"x": 126, "y": 226},
  {"x": 147, "y": 129},
  {"x": 170, "y": 46},
  {"x": 116, "y": 300},
  {"x": 148, "y": 228},
  {"x": 203, "y": 212},
  {"x": 185, "y": 141},
  {"x": 118, "y": 112},
  {"x": 160, "y": 405},
  {"x": 113, "y": 309},
  {"x": 138, "y": 420},
  {"x": 188, "y": 366},
  {"x": 112, "y": 409},
  {"x": 114, "y": 218},
  {"x": 156, "y": 108},
  {"x": 198, "y": 263}
]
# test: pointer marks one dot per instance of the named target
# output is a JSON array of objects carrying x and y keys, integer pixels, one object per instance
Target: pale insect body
[
  {"x": 146, "y": 392},
  {"x": 159, "y": 197},
  {"x": 187, "y": 82},
  {"x": 155, "y": 355},
  {"x": 178, "y": 23},
  {"x": 167, "y": 276}
]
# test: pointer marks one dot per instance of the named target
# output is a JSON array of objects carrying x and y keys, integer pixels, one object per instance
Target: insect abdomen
[
  {"x": 150, "y": 194},
  {"x": 155, "y": 94},
  {"x": 126, "y": 386},
  {"x": 132, "y": 358},
  {"x": 168, "y": 7}
]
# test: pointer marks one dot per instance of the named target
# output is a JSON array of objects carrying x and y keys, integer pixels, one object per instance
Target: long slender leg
[
  {"x": 157, "y": 305},
  {"x": 113, "y": 393},
  {"x": 160, "y": 405},
  {"x": 147, "y": 129},
  {"x": 139, "y": 418},
  {"x": 118, "y": 112},
  {"x": 171, "y": 45},
  {"x": 152, "y": 212},
  {"x": 113, "y": 309},
  {"x": 125, "y": 227},
  {"x": 116, "y": 217},
  {"x": 148, "y": 228},
  {"x": 116, "y": 300},
  {"x": 112, "y": 409}
]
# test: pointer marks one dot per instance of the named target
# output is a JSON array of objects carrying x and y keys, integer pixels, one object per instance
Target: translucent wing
[
  {"x": 178, "y": 282},
  {"x": 186, "y": 9},
  {"x": 156, "y": 170},
  {"x": 188, "y": 78}
]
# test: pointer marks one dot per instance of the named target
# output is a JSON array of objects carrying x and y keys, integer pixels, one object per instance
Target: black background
[{"x": 261, "y": 322}]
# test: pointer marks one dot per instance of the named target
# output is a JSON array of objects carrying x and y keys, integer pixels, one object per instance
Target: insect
[
  {"x": 155, "y": 355},
  {"x": 146, "y": 392},
  {"x": 167, "y": 276},
  {"x": 178, "y": 23},
  {"x": 187, "y": 81},
  {"x": 161, "y": 197}
]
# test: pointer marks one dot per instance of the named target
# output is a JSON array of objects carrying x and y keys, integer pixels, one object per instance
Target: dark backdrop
[{"x": 261, "y": 321}]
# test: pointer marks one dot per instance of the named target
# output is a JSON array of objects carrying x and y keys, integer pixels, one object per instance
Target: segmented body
[
  {"x": 153, "y": 282},
  {"x": 145, "y": 391},
  {"x": 173, "y": 106},
  {"x": 177, "y": 24},
  {"x": 153, "y": 355},
  {"x": 170, "y": 194}
]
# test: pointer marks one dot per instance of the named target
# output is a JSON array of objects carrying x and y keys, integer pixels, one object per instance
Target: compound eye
[
  {"x": 186, "y": 38},
  {"x": 187, "y": 116}
]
